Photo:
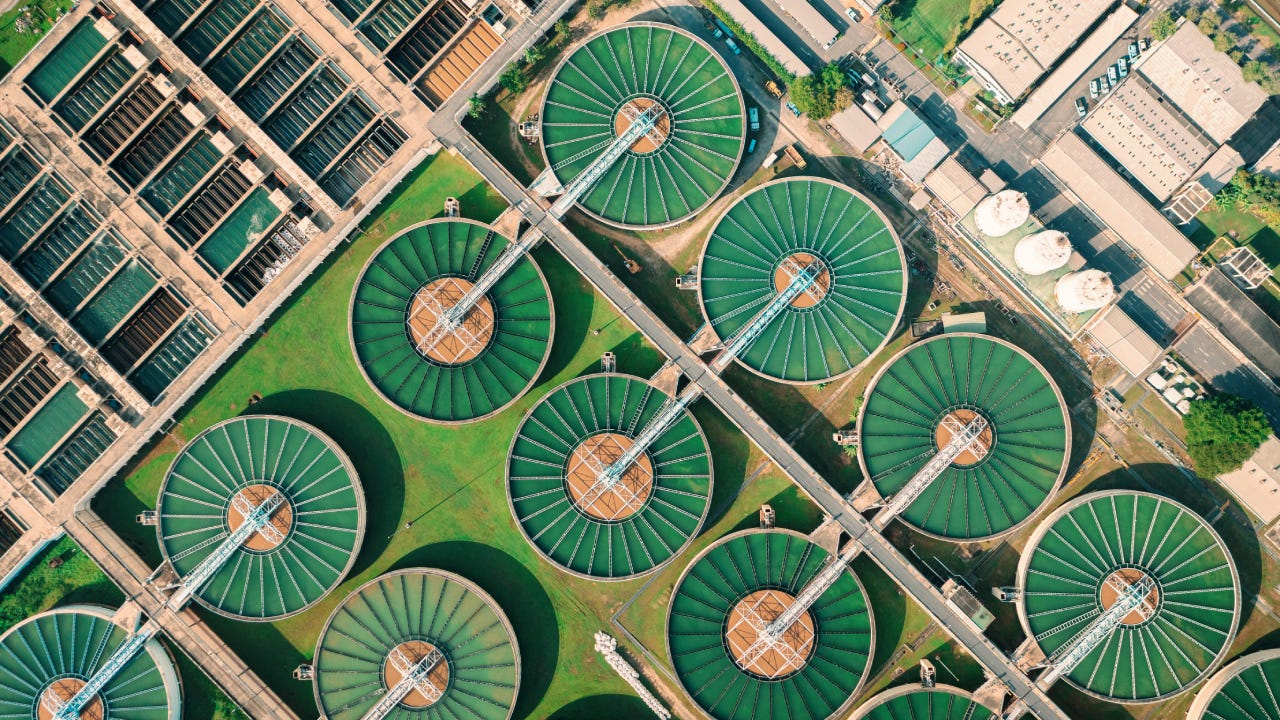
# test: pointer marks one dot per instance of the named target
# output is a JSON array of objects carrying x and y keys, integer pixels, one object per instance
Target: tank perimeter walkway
[{"x": 445, "y": 126}]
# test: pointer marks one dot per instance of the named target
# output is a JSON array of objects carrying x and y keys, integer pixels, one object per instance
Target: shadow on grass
[
  {"x": 730, "y": 452},
  {"x": 520, "y": 596},
  {"x": 603, "y": 706},
  {"x": 888, "y": 606},
  {"x": 268, "y": 653},
  {"x": 574, "y": 303},
  {"x": 368, "y": 445}
]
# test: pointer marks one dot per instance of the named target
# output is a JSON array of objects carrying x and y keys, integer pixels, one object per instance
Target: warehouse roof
[
  {"x": 1120, "y": 206},
  {"x": 1257, "y": 483},
  {"x": 1205, "y": 84},
  {"x": 913, "y": 140},
  {"x": 856, "y": 127},
  {"x": 1022, "y": 39},
  {"x": 770, "y": 42},
  {"x": 1129, "y": 344},
  {"x": 1157, "y": 144}
]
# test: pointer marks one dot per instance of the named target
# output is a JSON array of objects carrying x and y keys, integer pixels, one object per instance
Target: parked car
[
  {"x": 792, "y": 107},
  {"x": 753, "y": 114},
  {"x": 1106, "y": 85},
  {"x": 853, "y": 14},
  {"x": 719, "y": 33},
  {"x": 1112, "y": 74},
  {"x": 733, "y": 46},
  {"x": 1093, "y": 88},
  {"x": 1082, "y": 107},
  {"x": 1124, "y": 67},
  {"x": 751, "y": 146},
  {"x": 1133, "y": 51}
]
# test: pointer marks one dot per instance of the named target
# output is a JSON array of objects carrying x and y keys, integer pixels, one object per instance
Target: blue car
[
  {"x": 792, "y": 107},
  {"x": 751, "y": 146}
]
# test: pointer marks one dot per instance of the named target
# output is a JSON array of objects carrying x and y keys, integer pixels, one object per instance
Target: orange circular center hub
[
  {"x": 1114, "y": 585},
  {"x": 650, "y": 141},
  {"x": 63, "y": 690},
  {"x": 394, "y": 670},
  {"x": 448, "y": 345},
  {"x": 953, "y": 423},
  {"x": 790, "y": 268},
  {"x": 625, "y": 497},
  {"x": 281, "y": 522},
  {"x": 772, "y": 660}
]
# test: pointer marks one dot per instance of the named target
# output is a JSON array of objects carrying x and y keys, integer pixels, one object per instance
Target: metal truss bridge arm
[
  {"x": 71, "y": 708},
  {"x": 413, "y": 676},
  {"x": 257, "y": 520},
  {"x": 1132, "y": 598},
  {"x": 962, "y": 439},
  {"x": 801, "y": 280}
]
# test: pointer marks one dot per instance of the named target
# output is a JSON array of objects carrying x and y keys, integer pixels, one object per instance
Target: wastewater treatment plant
[{"x": 437, "y": 360}]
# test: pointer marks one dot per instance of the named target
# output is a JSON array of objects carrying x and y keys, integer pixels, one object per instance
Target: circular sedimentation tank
[
  {"x": 1080, "y": 558},
  {"x": 397, "y": 619},
  {"x": 462, "y": 375},
  {"x": 312, "y": 538},
  {"x": 631, "y": 527},
  {"x": 53, "y": 654},
  {"x": 751, "y": 577},
  {"x": 925, "y": 393},
  {"x": 783, "y": 228},
  {"x": 679, "y": 166},
  {"x": 916, "y": 702},
  {"x": 1247, "y": 689}
]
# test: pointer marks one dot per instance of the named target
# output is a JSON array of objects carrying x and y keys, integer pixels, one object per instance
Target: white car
[{"x": 853, "y": 14}]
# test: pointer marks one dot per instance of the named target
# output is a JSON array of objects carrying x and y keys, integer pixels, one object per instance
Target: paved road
[
  {"x": 1205, "y": 353},
  {"x": 716, "y": 390}
]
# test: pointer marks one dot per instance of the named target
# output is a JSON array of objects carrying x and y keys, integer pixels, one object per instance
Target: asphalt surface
[{"x": 1214, "y": 361}]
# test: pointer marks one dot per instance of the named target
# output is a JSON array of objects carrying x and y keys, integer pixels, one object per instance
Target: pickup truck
[{"x": 753, "y": 114}]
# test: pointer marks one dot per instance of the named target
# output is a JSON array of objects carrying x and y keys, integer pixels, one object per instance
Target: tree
[
  {"x": 513, "y": 78},
  {"x": 1222, "y": 41},
  {"x": 1255, "y": 71},
  {"x": 819, "y": 96},
  {"x": 1163, "y": 25},
  {"x": 534, "y": 54},
  {"x": 1192, "y": 14},
  {"x": 1222, "y": 432},
  {"x": 1209, "y": 22},
  {"x": 475, "y": 107}
]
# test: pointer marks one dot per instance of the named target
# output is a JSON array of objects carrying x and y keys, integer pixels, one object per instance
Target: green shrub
[
  {"x": 750, "y": 43},
  {"x": 820, "y": 96},
  {"x": 1222, "y": 432},
  {"x": 1163, "y": 25}
]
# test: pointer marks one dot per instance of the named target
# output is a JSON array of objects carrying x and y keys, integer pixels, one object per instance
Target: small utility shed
[
  {"x": 856, "y": 127},
  {"x": 1129, "y": 344}
]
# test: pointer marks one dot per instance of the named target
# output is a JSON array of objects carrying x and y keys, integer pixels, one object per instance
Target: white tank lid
[
  {"x": 1084, "y": 291},
  {"x": 1000, "y": 214},
  {"x": 1042, "y": 252}
]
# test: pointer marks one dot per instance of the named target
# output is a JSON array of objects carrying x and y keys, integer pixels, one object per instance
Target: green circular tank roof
[
  {"x": 862, "y": 292},
  {"x": 645, "y": 63},
  {"x": 426, "y": 606},
  {"x": 929, "y": 381},
  {"x": 1066, "y": 566},
  {"x": 324, "y": 505},
  {"x": 74, "y": 642},
  {"x": 423, "y": 386},
  {"x": 915, "y": 702},
  {"x": 1247, "y": 689},
  {"x": 665, "y": 515},
  {"x": 735, "y": 567}
]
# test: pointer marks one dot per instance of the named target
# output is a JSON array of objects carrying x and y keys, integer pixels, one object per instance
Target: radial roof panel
[
  {"x": 1067, "y": 575},
  {"x": 318, "y": 528},
  {"x": 413, "y": 612},
  {"x": 916, "y": 702},
  {"x": 53, "y": 653},
  {"x": 678, "y": 168},
  {"x": 760, "y": 243},
  {"x": 494, "y": 356},
  {"x": 653, "y": 513},
  {"x": 833, "y": 640},
  {"x": 1247, "y": 689},
  {"x": 954, "y": 377}
]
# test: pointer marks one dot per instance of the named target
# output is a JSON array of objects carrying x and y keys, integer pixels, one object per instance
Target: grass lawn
[
  {"x": 447, "y": 481},
  {"x": 79, "y": 581},
  {"x": 933, "y": 27},
  {"x": 15, "y": 45}
]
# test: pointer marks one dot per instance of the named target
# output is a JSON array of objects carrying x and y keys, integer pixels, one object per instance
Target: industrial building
[
  {"x": 912, "y": 140},
  {"x": 1168, "y": 124},
  {"x": 1243, "y": 690},
  {"x": 483, "y": 365},
  {"x": 314, "y": 524},
  {"x": 1022, "y": 40},
  {"x": 413, "y": 643},
  {"x": 679, "y": 167},
  {"x": 569, "y": 507},
  {"x": 1165, "y": 570},
  {"x": 49, "y": 657},
  {"x": 770, "y": 236},
  {"x": 928, "y": 394},
  {"x": 721, "y": 610}
]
